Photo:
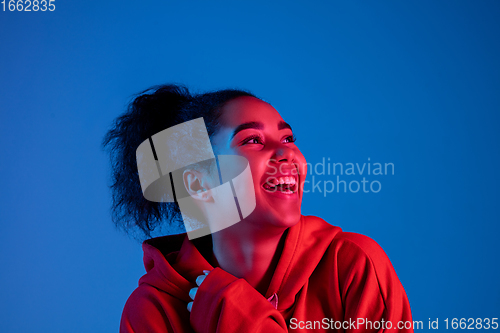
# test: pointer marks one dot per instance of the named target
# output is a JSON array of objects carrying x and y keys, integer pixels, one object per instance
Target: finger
[
  {"x": 190, "y": 306},
  {"x": 200, "y": 279},
  {"x": 192, "y": 293}
]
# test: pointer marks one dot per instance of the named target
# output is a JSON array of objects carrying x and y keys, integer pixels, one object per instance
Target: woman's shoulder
[
  {"x": 359, "y": 257},
  {"x": 359, "y": 243},
  {"x": 346, "y": 244},
  {"x": 362, "y": 278},
  {"x": 311, "y": 224}
]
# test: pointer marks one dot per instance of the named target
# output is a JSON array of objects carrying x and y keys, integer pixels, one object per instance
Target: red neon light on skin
[{"x": 251, "y": 248}]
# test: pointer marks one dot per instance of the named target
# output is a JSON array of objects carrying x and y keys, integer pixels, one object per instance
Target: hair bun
[
  {"x": 150, "y": 112},
  {"x": 158, "y": 108}
]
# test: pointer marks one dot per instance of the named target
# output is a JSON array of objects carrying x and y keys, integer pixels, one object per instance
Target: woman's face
[{"x": 255, "y": 130}]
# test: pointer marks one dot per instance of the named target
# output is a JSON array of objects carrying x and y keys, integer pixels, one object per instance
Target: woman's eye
[
  {"x": 290, "y": 139},
  {"x": 253, "y": 140}
]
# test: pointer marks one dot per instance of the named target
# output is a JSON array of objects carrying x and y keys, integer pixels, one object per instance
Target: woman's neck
[{"x": 249, "y": 253}]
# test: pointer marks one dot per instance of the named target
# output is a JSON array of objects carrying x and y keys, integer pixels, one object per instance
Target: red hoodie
[{"x": 325, "y": 280}]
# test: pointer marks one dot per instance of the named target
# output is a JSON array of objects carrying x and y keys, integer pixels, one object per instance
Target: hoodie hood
[{"x": 173, "y": 262}]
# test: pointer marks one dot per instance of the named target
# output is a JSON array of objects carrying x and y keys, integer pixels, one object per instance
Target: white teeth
[
  {"x": 288, "y": 184},
  {"x": 281, "y": 181}
]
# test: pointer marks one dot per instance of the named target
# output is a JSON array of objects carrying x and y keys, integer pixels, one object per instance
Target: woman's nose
[{"x": 284, "y": 154}]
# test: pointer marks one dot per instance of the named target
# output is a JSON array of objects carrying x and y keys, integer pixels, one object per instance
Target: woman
[{"x": 273, "y": 271}]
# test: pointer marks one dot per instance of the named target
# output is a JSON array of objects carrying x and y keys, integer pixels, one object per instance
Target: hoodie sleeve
[
  {"x": 227, "y": 304},
  {"x": 147, "y": 310},
  {"x": 369, "y": 287}
]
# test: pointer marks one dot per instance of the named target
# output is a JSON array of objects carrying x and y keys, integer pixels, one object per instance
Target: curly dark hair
[{"x": 150, "y": 112}]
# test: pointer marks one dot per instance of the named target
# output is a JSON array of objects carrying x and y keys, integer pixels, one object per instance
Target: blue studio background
[{"x": 412, "y": 83}]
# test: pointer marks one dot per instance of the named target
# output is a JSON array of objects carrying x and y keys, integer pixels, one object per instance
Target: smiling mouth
[{"x": 286, "y": 185}]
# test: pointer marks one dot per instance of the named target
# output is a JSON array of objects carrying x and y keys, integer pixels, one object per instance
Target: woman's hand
[{"x": 192, "y": 292}]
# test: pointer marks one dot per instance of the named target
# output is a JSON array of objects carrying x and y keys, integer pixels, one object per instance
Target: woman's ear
[{"x": 196, "y": 186}]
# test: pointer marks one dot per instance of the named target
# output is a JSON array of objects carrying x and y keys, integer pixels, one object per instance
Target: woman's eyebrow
[
  {"x": 244, "y": 126},
  {"x": 284, "y": 125},
  {"x": 258, "y": 125}
]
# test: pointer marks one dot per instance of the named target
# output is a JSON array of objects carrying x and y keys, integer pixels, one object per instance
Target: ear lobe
[{"x": 194, "y": 185}]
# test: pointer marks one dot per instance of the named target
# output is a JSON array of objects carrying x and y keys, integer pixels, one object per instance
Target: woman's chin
[
  {"x": 273, "y": 219},
  {"x": 272, "y": 213},
  {"x": 284, "y": 218}
]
